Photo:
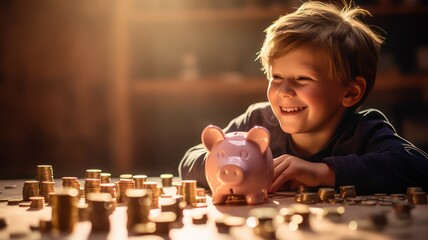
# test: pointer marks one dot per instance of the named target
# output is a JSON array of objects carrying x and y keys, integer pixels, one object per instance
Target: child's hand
[{"x": 288, "y": 168}]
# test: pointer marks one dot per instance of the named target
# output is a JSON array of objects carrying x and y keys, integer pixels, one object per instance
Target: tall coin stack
[
  {"x": 189, "y": 191},
  {"x": 347, "y": 192},
  {"x": 64, "y": 210},
  {"x": 124, "y": 184},
  {"x": 93, "y": 173},
  {"x": 179, "y": 187},
  {"x": 37, "y": 203},
  {"x": 45, "y": 189},
  {"x": 166, "y": 180},
  {"x": 418, "y": 198},
  {"x": 138, "y": 202},
  {"x": 30, "y": 189},
  {"x": 109, "y": 188},
  {"x": 105, "y": 177},
  {"x": 71, "y": 182},
  {"x": 139, "y": 180},
  {"x": 325, "y": 194},
  {"x": 92, "y": 185},
  {"x": 44, "y": 173},
  {"x": 101, "y": 208},
  {"x": 153, "y": 192}
]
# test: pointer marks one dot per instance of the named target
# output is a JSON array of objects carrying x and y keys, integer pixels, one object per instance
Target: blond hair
[{"x": 350, "y": 45}]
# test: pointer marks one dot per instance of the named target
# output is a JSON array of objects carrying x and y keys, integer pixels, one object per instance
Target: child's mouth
[{"x": 288, "y": 110}]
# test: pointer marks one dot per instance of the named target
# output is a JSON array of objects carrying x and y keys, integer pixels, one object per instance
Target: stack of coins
[
  {"x": 64, "y": 210},
  {"x": 45, "y": 189},
  {"x": 30, "y": 189},
  {"x": 309, "y": 198},
  {"x": 418, "y": 198},
  {"x": 179, "y": 188},
  {"x": 200, "y": 195},
  {"x": 166, "y": 180},
  {"x": 154, "y": 192},
  {"x": 44, "y": 173},
  {"x": 402, "y": 210},
  {"x": 124, "y": 185},
  {"x": 125, "y": 176},
  {"x": 101, "y": 208},
  {"x": 189, "y": 192},
  {"x": 347, "y": 191},
  {"x": 138, "y": 203},
  {"x": 93, "y": 173},
  {"x": 37, "y": 203},
  {"x": 105, "y": 177},
  {"x": 325, "y": 194},
  {"x": 225, "y": 222},
  {"x": 411, "y": 190},
  {"x": 261, "y": 220},
  {"x": 304, "y": 212},
  {"x": 83, "y": 212},
  {"x": 92, "y": 185},
  {"x": 139, "y": 180},
  {"x": 71, "y": 182},
  {"x": 164, "y": 222},
  {"x": 175, "y": 205},
  {"x": 109, "y": 188}
]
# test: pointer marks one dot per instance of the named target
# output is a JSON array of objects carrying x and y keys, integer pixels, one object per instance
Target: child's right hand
[{"x": 288, "y": 168}]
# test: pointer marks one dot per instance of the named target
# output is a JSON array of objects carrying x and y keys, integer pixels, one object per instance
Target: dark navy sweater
[{"x": 365, "y": 152}]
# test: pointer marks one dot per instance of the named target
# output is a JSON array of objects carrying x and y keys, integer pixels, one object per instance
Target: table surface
[{"x": 19, "y": 219}]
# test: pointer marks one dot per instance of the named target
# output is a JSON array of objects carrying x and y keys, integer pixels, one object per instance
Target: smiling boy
[{"x": 321, "y": 64}]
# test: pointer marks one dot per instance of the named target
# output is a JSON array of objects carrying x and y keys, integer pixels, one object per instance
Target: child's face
[{"x": 303, "y": 97}]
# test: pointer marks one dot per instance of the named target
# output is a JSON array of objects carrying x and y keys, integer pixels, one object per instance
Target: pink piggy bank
[{"x": 238, "y": 163}]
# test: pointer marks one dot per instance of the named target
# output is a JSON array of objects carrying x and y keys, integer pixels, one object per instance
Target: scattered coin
[
  {"x": 11, "y": 186},
  {"x": 24, "y": 204},
  {"x": 14, "y": 201},
  {"x": 2, "y": 223}
]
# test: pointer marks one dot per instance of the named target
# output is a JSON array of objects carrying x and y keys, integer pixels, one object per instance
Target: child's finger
[{"x": 282, "y": 178}]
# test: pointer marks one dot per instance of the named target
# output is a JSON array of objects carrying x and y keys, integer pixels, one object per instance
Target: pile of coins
[
  {"x": 123, "y": 185},
  {"x": 64, "y": 210},
  {"x": 30, "y": 189},
  {"x": 101, "y": 205},
  {"x": 45, "y": 189},
  {"x": 44, "y": 173},
  {"x": 189, "y": 191},
  {"x": 139, "y": 180},
  {"x": 153, "y": 192},
  {"x": 37, "y": 203},
  {"x": 138, "y": 202}
]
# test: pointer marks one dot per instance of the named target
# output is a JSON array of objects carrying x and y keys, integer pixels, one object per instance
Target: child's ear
[{"x": 355, "y": 92}]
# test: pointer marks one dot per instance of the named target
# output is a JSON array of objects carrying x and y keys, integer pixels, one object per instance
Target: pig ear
[
  {"x": 211, "y": 135},
  {"x": 260, "y": 136}
]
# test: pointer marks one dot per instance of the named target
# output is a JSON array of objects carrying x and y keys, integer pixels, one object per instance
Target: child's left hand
[{"x": 297, "y": 171}]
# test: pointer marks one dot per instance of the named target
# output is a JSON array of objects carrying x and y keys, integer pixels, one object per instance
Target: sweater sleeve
[
  {"x": 381, "y": 160},
  {"x": 192, "y": 165}
]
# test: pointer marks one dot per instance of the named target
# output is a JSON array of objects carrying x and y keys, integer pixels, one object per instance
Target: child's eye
[
  {"x": 303, "y": 78},
  {"x": 276, "y": 78}
]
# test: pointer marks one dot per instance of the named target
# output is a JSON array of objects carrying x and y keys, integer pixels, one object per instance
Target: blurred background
[{"x": 127, "y": 86}]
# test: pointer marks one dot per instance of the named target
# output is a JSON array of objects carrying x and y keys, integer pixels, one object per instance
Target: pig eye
[
  {"x": 244, "y": 154},
  {"x": 221, "y": 154}
]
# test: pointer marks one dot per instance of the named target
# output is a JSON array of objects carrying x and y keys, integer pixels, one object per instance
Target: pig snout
[{"x": 231, "y": 174}]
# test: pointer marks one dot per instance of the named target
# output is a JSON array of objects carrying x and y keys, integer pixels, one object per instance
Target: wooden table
[{"x": 19, "y": 220}]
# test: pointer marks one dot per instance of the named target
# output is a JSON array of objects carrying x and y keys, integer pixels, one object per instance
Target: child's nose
[{"x": 286, "y": 89}]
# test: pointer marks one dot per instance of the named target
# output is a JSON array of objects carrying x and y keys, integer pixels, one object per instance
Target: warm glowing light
[
  {"x": 297, "y": 218},
  {"x": 353, "y": 225},
  {"x": 341, "y": 210},
  {"x": 252, "y": 222},
  {"x": 293, "y": 226}
]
